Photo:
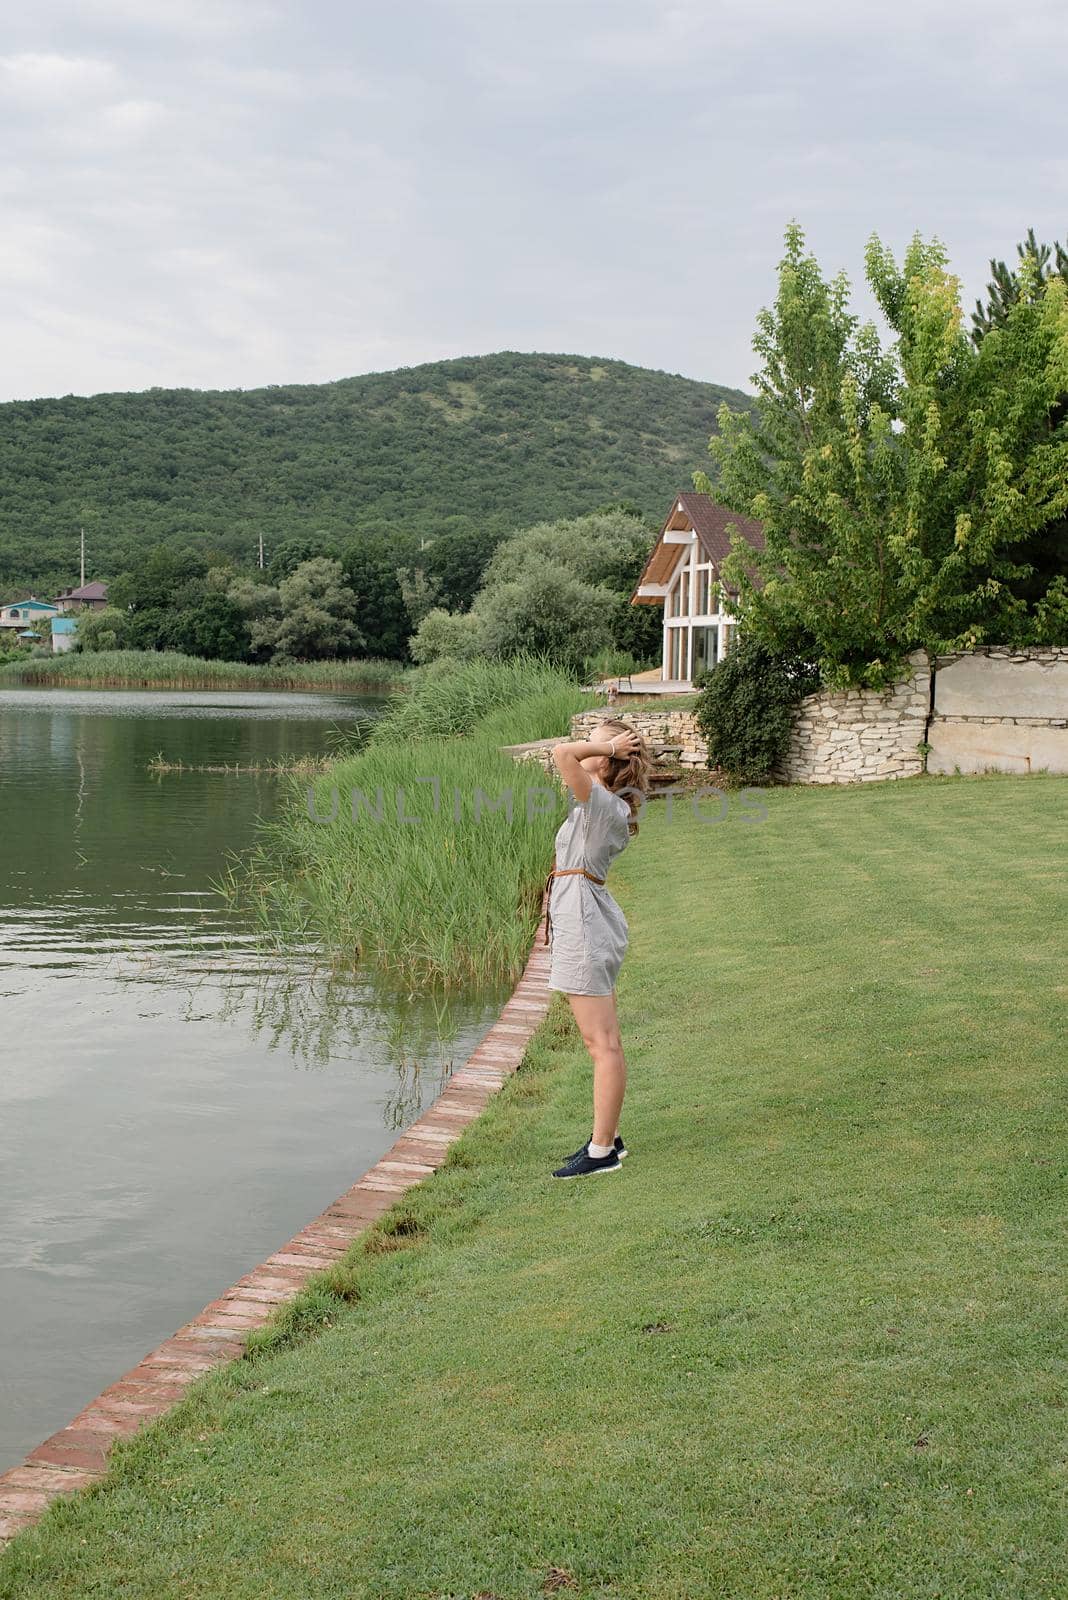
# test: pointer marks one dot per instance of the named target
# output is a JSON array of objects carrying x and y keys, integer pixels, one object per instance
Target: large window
[
  {"x": 704, "y": 650},
  {"x": 677, "y": 652}
]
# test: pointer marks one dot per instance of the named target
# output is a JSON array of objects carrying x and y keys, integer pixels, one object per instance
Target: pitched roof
[
  {"x": 31, "y": 602},
  {"x": 710, "y": 522},
  {"x": 88, "y": 591}
]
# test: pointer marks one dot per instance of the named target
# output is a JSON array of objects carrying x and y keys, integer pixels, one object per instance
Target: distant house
[
  {"x": 90, "y": 597},
  {"x": 683, "y": 575},
  {"x": 64, "y": 632},
  {"x": 21, "y": 615}
]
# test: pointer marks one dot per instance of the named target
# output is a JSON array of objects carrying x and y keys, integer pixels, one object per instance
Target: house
[
  {"x": 682, "y": 575},
  {"x": 90, "y": 597},
  {"x": 64, "y": 631},
  {"x": 20, "y": 615}
]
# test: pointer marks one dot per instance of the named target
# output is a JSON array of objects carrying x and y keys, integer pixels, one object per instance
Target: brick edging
[{"x": 77, "y": 1454}]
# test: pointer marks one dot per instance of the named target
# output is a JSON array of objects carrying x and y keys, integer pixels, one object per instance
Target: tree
[
  {"x": 546, "y": 611},
  {"x": 101, "y": 630},
  {"x": 746, "y": 708},
  {"x": 213, "y": 627},
  {"x": 419, "y": 592},
  {"x": 318, "y": 613},
  {"x": 380, "y": 612},
  {"x": 154, "y": 582},
  {"x": 288, "y": 554},
  {"x": 608, "y": 547},
  {"x": 455, "y": 558},
  {"x": 1046, "y": 551},
  {"x": 892, "y": 484},
  {"x": 451, "y": 635},
  {"x": 260, "y": 606},
  {"x": 1037, "y": 263}
]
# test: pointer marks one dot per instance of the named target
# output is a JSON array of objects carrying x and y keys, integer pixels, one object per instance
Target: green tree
[
  {"x": 154, "y": 582},
  {"x": 420, "y": 592},
  {"x": 892, "y": 484},
  {"x": 380, "y": 612},
  {"x": 455, "y": 558},
  {"x": 102, "y": 630},
  {"x": 746, "y": 708},
  {"x": 1036, "y": 264},
  {"x": 288, "y": 554},
  {"x": 318, "y": 613},
  {"x": 213, "y": 627},
  {"x": 260, "y": 607},
  {"x": 546, "y": 611},
  {"x": 452, "y": 635},
  {"x": 608, "y": 547}
]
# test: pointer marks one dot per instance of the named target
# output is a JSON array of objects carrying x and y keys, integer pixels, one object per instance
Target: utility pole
[
  {"x": 261, "y": 552},
  {"x": 82, "y": 531}
]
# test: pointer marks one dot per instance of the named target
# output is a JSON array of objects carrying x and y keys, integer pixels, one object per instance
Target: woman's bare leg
[{"x": 598, "y": 1023}]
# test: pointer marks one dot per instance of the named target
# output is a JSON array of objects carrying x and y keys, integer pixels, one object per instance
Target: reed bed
[
  {"x": 425, "y": 856},
  {"x": 454, "y": 697},
  {"x": 301, "y": 764},
  {"x": 166, "y": 669}
]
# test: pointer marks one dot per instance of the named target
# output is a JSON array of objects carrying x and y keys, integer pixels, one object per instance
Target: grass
[
  {"x": 453, "y": 698},
  {"x": 807, "y": 1345},
  {"x": 402, "y": 854},
  {"x": 166, "y": 669}
]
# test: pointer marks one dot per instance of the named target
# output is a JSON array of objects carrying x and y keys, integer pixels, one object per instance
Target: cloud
[
  {"x": 40, "y": 76},
  {"x": 132, "y": 116},
  {"x": 228, "y": 192}
]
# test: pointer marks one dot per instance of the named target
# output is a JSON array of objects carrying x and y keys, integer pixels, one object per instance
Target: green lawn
[{"x": 809, "y": 1343}]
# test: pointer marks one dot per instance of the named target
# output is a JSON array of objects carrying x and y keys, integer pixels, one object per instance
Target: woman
[{"x": 608, "y": 777}]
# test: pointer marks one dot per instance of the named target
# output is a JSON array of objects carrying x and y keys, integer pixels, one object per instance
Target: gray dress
[{"x": 588, "y": 931}]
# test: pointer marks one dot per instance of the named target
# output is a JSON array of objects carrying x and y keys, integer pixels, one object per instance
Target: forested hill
[{"x": 487, "y": 443}]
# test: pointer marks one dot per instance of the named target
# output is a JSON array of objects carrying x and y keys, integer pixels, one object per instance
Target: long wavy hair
[{"x": 628, "y": 773}]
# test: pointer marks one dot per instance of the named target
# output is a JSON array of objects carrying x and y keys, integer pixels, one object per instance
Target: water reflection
[{"x": 176, "y": 1098}]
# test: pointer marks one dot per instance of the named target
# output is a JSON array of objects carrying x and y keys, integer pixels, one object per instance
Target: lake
[{"x": 175, "y": 1100}]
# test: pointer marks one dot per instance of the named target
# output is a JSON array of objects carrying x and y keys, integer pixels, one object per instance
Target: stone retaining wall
[
  {"x": 998, "y": 709},
  {"x": 861, "y": 735},
  {"x": 656, "y": 727},
  {"x": 989, "y": 709}
]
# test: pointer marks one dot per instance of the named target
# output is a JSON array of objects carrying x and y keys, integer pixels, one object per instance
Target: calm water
[{"x": 174, "y": 1102}]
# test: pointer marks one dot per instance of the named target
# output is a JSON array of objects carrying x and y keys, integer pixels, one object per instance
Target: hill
[{"x": 488, "y": 443}]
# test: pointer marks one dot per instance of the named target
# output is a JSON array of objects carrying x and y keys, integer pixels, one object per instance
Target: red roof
[{"x": 90, "y": 591}]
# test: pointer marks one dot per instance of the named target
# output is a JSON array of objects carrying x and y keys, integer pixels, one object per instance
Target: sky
[{"x": 231, "y": 193}]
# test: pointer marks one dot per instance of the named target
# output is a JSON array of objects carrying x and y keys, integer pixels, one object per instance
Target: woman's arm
[{"x": 569, "y": 756}]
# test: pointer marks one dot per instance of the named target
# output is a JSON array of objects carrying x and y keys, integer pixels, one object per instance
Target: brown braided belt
[{"x": 562, "y": 872}]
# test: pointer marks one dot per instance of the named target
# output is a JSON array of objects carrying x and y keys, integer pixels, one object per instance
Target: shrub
[
  {"x": 745, "y": 709},
  {"x": 454, "y": 635},
  {"x": 546, "y": 611}
]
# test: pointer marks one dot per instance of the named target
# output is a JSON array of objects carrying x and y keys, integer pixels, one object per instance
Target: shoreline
[{"x": 76, "y": 1455}]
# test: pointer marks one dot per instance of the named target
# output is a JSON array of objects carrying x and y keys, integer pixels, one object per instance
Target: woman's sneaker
[
  {"x": 583, "y": 1165},
  {"x": 619, "y": 1147}
]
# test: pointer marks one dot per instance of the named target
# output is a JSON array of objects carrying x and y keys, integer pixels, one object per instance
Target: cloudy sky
[{"x": 227, "y": 193}]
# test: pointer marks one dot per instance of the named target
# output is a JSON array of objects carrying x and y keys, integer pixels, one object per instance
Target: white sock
[{"x": 599, "y": 1151}]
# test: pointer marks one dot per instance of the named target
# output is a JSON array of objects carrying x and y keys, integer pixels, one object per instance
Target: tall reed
[
  {"x": 452, "y": 697},
  {"x": 166, "y": 669},
  {"x": 407, "y": 854}
]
